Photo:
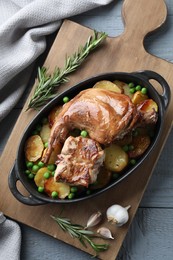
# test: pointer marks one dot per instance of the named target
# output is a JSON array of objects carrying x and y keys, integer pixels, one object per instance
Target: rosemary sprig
[
  {"x": 83, "y": 235},
  {"x": 47, "y": 83}
]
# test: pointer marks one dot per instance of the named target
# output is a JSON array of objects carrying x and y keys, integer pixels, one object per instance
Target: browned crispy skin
[{"x": 104, "y": 114}]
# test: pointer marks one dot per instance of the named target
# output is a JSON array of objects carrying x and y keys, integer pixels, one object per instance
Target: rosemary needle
[
  {"x": 83, "y": 235},
  {"x": 47, "y": 83}
]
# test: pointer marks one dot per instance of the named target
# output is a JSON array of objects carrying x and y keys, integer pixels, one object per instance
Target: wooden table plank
[
  {"x": 149, "y": 237},
  {"x": 137, "y": 251}
]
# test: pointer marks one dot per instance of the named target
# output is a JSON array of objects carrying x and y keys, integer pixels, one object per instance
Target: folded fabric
[
  {"x": 10, "y": 239},
  {"x": 24, "y": 25}
]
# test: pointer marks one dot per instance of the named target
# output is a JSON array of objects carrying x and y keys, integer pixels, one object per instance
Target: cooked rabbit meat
[
  {"x": 146, "y": 117},
  {"x": 105, "y": 115},
  {"x": 79, "y": 161}
]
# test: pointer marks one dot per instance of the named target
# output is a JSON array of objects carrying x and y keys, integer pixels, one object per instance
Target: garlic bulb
[
  {"x": 118, "y": 214},
  {"x": 105, "y": 232},
  {"x": 94, "y": 219}
]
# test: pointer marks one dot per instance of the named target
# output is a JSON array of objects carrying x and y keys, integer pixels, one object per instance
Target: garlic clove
[
  {"x": 118, "y": 214},
  {"x": 94, "y": 219},
  {"x": 105, "y": 232}
]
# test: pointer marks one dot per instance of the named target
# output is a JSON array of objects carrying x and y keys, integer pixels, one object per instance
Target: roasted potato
[
  {"x": 106, "y": 84},
  {"x": 39, "y": 177},
  {"x": 140, "y": 144},
  {"x": 34, "y": 148},
  {"x": 62, "y": 189},
  {"x": 124, "y": 87},
  {"x": 148, "y": 105},
  {"x": 45, "y": 133},
  {"x": 54, "y": 153},
  {"x": 115, "y": 158},
  {"x": 103, "y": 178},
  {"x": 127, "y": 92},
  {"x": 119, "y": 83},
  {"x": 138, "y": 97},
  {"x": 53, "y": 114}
]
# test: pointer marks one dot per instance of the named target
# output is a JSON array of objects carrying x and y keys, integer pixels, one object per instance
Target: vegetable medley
[{"x": 119, "y": 155}]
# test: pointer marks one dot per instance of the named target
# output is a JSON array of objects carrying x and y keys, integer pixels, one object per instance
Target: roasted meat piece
[
  {"x": 79, "y": 161},
  {"x": 105, "y": 115}
]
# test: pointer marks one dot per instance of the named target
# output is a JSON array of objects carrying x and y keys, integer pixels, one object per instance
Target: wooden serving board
[{"x": 124, "y": 53}]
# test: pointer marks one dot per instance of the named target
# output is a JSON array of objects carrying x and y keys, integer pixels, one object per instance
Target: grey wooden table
[{"x": 151, "y": 233}]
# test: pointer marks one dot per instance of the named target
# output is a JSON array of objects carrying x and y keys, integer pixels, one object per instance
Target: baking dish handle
[
  {"x": 12, "y": 182},
  {"x": 166, "y": 95}
]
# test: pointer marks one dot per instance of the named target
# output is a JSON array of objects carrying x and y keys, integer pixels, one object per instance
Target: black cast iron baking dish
[{"x": 142, "y": 78}]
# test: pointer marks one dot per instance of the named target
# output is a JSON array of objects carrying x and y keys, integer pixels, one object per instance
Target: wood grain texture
[
  {"x": 148, "y": 227},
  {"x": 118, "y": 57},
  {"x": 146, "y": 240}
]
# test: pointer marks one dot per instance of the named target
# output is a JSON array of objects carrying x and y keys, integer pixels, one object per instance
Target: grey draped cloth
[
  {"x": 10, "y": 239},
  {"x": 24, "y": 25}
]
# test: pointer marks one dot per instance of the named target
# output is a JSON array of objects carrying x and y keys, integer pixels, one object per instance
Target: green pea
[
  {"x": 84, "y": 133},
  {"x": 54, "y": 194},
  {"x": 133, "y": 161},
  {"x": 126, "y": 148},
  {"x": 40, "y": 164},
  {"x": 144, "y": 91},
  {"x": 29, "y": 164},
  {"x": 51, "y": 167},
  {"x": 31, "y": 176},
  {"x": 71, "y": 195},
  {"x": 35, "y": 168},
  {"x": 74, "y": 189},
  {"x": 138, "y": 88},
  {"x": 46, "y": 175},
  {"x": 132, "y": 90},
  {"x": 40, "y": 189},
  {"x": 53, "y": 173},
  {"x": 27, "y": 172},
  {"x": 46, "y": 145},
  {"x": 131, "y": 85},
  {"x": 66, "y": 99}
]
